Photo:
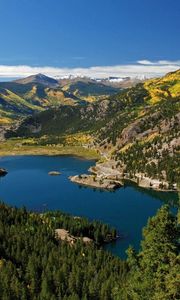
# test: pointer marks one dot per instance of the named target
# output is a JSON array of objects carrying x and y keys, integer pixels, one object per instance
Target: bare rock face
[
  {"x": 131, "y": 131},
  {"x": 64, "y": 235},
  {"x": 2, "y": 134},
  {"x": 135, "y": 130},
  {"x": 35, "y": 129}
]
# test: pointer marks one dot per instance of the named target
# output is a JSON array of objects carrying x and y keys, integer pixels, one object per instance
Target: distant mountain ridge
[
  {"x": 22, "y": 97},
  {"x": 39, "y": 79},
  {"x": 116, "y": 82},
  {"x": 18, "y": 100}
]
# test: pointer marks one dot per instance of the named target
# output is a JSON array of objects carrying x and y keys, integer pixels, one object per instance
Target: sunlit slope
[
  {"x": 89, "y": 90},
  {"x": 164, "y": 88},
  {"x": 18, "y": 100}
]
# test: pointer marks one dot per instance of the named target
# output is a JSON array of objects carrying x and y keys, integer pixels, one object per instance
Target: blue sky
[{"x": 83, "y": 33}]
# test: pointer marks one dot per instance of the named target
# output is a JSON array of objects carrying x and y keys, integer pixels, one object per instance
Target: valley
[
  {"x": 90, "y": 150},
  {"x": 135, "y": 131}
]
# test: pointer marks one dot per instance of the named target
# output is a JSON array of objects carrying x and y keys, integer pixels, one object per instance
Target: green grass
[{"x": 25, "y": 147}]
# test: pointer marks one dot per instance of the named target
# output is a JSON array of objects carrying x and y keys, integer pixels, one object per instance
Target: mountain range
[
  {"x": 36, "y": 93},
  {"x": 137, "y": 129}
]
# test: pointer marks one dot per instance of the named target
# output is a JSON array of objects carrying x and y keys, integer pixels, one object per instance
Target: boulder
[{"x": 3, "y": 172}]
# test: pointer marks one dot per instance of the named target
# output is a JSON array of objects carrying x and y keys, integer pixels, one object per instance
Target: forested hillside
[{"x": 34, "y": 264}]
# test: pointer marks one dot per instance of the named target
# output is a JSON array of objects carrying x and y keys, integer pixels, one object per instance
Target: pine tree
[{"x": 154, "y": 270}]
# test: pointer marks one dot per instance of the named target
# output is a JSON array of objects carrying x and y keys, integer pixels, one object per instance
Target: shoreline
[
  {"x": 106, "y": 177},
  {"x": 97, "y": 185},
  {"x": 88, "y": 181},
  {"x": 87, "y": 156},
  {"x": 74, "y": 151},
  {"x": 80, "y": 157},
  {"x": 100, "y": 170},
  {"x": 108, "y": 170},
  {"x": 150, "y": 188}
]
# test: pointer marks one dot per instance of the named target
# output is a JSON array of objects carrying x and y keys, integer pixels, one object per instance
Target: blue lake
[{"x": 128, "y": 208}]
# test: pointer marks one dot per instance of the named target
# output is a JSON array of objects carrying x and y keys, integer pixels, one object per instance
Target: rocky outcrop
[
  {"x": 64, "y": 235},
  {"x": 54, "y": 173},
  {"x": 99, "y": 182},
  {"x": 3, "y": 172},
  {"x": 107, "y": 176}
]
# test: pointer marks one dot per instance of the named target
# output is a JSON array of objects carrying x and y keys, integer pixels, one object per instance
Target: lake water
[{"x": 128, "y": 208}]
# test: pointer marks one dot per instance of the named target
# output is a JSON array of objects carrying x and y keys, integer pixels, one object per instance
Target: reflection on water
[{"x": 170, "y": 198}]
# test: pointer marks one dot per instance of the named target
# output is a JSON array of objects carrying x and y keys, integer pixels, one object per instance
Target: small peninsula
[{"x": 96, "y": 182}]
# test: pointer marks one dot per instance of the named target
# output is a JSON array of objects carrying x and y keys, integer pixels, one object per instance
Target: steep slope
[
  {"x": 21, "y": 99},
  {"x": 145, "y": 140},
  {"x": 87, "y": 89},
  {"x": 136, "y": 131}
]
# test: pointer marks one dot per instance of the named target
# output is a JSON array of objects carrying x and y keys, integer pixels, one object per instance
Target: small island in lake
[
  {"x": 3, "y": 172},
  {"x": 54, "y": 173}
]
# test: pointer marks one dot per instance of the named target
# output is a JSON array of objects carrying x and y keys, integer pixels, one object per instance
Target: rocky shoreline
[
  {"x": 54, "y": 173},
  {"x": 96, "y": 182},
  {"x": 64, "y": 235},
  {"x": 106, "y": 176}
]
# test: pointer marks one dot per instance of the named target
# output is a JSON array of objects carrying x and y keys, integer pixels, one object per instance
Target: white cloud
[
  {"x": 141, "y": 68},
  {"x": 145, "y": 62},
  {"x": 159, "y": 62}
]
